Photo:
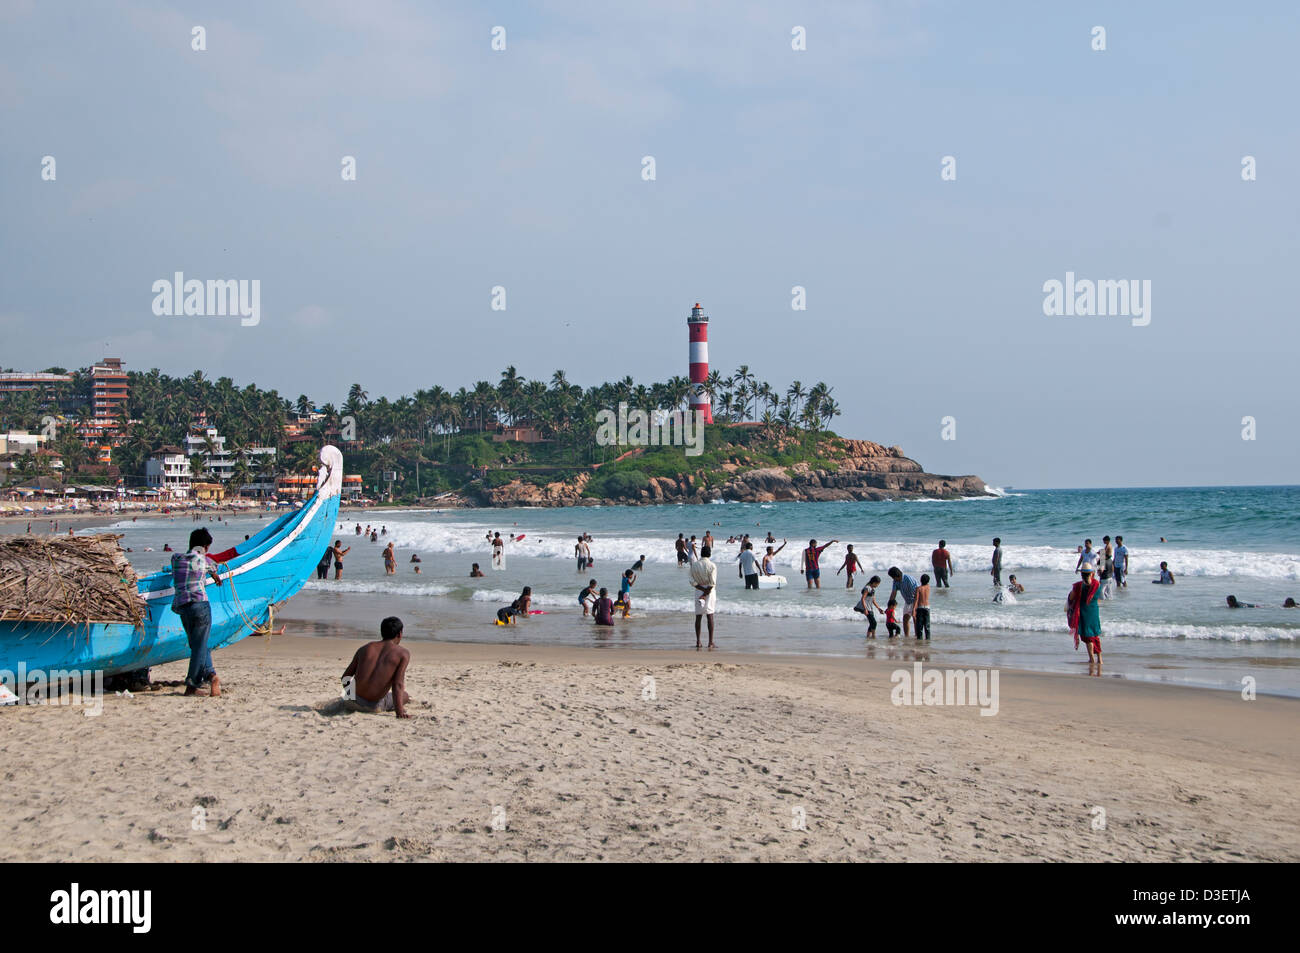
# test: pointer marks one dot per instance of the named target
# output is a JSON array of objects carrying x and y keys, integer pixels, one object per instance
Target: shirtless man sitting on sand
[{"x": 378, "y": 673}]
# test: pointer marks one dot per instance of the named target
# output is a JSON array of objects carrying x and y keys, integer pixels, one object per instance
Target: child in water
[
  {"x": 891, "y": 622},
  {"x": 475, "y": 572},
  {"x": 1166, "y": 577},
  {"x": 603, "y": 610},
  {"x": 625, "y": 591},
  {"x": 587, "y": 598}
]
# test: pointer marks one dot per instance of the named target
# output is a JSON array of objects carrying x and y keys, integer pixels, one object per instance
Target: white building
[
  {"x": 219, "y": 463},
  {"x": 168, "y": 471}
]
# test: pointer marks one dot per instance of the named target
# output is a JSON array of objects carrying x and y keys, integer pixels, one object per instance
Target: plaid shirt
[{"x": 188, "y": 570}]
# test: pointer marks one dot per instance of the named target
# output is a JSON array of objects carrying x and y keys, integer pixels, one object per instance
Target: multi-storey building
[{"x": 168, "y": 471}]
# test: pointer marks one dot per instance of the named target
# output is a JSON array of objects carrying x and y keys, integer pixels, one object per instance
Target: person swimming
[{"x": 1234, "y": 604}]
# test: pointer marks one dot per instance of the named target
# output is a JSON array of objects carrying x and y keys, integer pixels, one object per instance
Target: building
[
  {"x": 108, "y": 394},
  {"x": 518, "y": 435},
  {"x": 218, "y": 462},
  {"x": 168, "y": 471},
  {"x": 208, "y": 492},
  {"x": 20, "y": 441},
  {"x": 697, "y": 332},
  {"x": 352, "y": 486},
  {"x": 17, "y": 382},
  {"x": 294, "y": 486}
]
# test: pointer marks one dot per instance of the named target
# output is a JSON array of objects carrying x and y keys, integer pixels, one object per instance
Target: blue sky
[{"x": 775, "y": 168}]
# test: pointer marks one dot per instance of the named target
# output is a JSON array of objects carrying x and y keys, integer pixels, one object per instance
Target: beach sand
[{"x": 560, "y": 746}]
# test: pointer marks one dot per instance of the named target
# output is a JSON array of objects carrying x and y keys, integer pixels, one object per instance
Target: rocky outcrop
[
  {"x": 867, "y": 471},
  {"x": 522, "y": 493}
]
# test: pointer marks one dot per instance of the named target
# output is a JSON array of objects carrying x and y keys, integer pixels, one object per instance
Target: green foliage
[{"x": 617, "y": 484}]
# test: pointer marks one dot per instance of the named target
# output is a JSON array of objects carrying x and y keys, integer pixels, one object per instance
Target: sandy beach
[{"x": 562, "y": 748}]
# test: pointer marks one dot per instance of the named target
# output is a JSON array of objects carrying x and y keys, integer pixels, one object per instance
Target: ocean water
[{"x": 1243, "y": 541}]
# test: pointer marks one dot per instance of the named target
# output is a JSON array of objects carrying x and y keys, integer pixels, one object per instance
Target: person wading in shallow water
[
  {"x": 190, "y": 602},
  {"x": 1082, "y": 609}
]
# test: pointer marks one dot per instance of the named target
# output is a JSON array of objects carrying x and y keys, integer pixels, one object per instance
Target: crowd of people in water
[{"x": 375, "y": 675}]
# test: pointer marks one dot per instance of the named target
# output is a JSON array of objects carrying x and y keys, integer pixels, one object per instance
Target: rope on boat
[{"x": 252, "y": 624}]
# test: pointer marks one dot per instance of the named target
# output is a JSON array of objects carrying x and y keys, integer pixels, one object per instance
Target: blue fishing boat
[{"x": 257, "y": 576}]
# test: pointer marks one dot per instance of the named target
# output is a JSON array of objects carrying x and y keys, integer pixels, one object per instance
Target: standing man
[
  {"x": 681, "y": 550},
  {"x": 190, "y": 602},
  {"x": 1086, "y": 555},
  {"x": 906, "y": 586},
  {"x": 749, "y": 566},
  {"x": 808, "y": 562},
  {"x": 997, "y": 561},
  {"x": 339, "y": 552},
  {"x": 1121, "y": 563},
  {"x": 941, "y": 560},
  {"x": 704, "y": 578},
  {"x": 578, "y": 553}
]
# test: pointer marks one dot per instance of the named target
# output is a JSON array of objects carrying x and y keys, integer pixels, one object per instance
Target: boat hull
[{"x": 266, "y": 571}]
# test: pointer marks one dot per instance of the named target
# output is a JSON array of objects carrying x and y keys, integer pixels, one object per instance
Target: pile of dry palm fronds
[{"x": 70, "y": 579}]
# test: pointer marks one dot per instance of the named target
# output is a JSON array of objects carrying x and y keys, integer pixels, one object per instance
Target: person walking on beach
[
  {"x": 704, "y": 579},
  {"x": 997, "y": 561},
  {"x": 809, "y": 562},
  {"x": 190, "y": 602},
  {"x": 1121, "y": 563},
  {"x": 906, "y": 586},
  {"x": 375, "y": 679},
  {"x": 941, "y": 562},
  {"x": 323, "y": 567},
  {"x": 1083, "y": 611},
  {"x": 850, "y": 563},
  {"x": 339, "y": 552}
]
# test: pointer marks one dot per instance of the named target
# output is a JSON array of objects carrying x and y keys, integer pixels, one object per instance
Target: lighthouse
[{"x": 697, "y": 326}]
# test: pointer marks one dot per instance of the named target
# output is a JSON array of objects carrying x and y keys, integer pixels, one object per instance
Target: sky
[{"x": 774, "y": 168}]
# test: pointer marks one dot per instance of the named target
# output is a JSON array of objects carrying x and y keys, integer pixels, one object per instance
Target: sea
[{"x": 1217, "y": 541}]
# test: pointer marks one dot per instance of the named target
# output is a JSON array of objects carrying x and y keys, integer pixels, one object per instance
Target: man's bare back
[{"x": 378, "y": 669}]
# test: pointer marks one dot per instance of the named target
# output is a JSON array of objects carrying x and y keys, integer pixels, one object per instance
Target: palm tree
[
  {"x": 796, "y": 394},
  {"x": 303, "y": 405}
]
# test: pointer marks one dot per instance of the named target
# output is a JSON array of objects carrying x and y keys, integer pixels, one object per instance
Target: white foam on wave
[
  {"x": 385, "y": 586},
  {"x": 993, "y": 618},
  {"x": 620, "y": 551}
]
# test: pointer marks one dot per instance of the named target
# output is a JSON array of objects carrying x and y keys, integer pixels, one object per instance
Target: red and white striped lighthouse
[{"x": 698, "y": 328}]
